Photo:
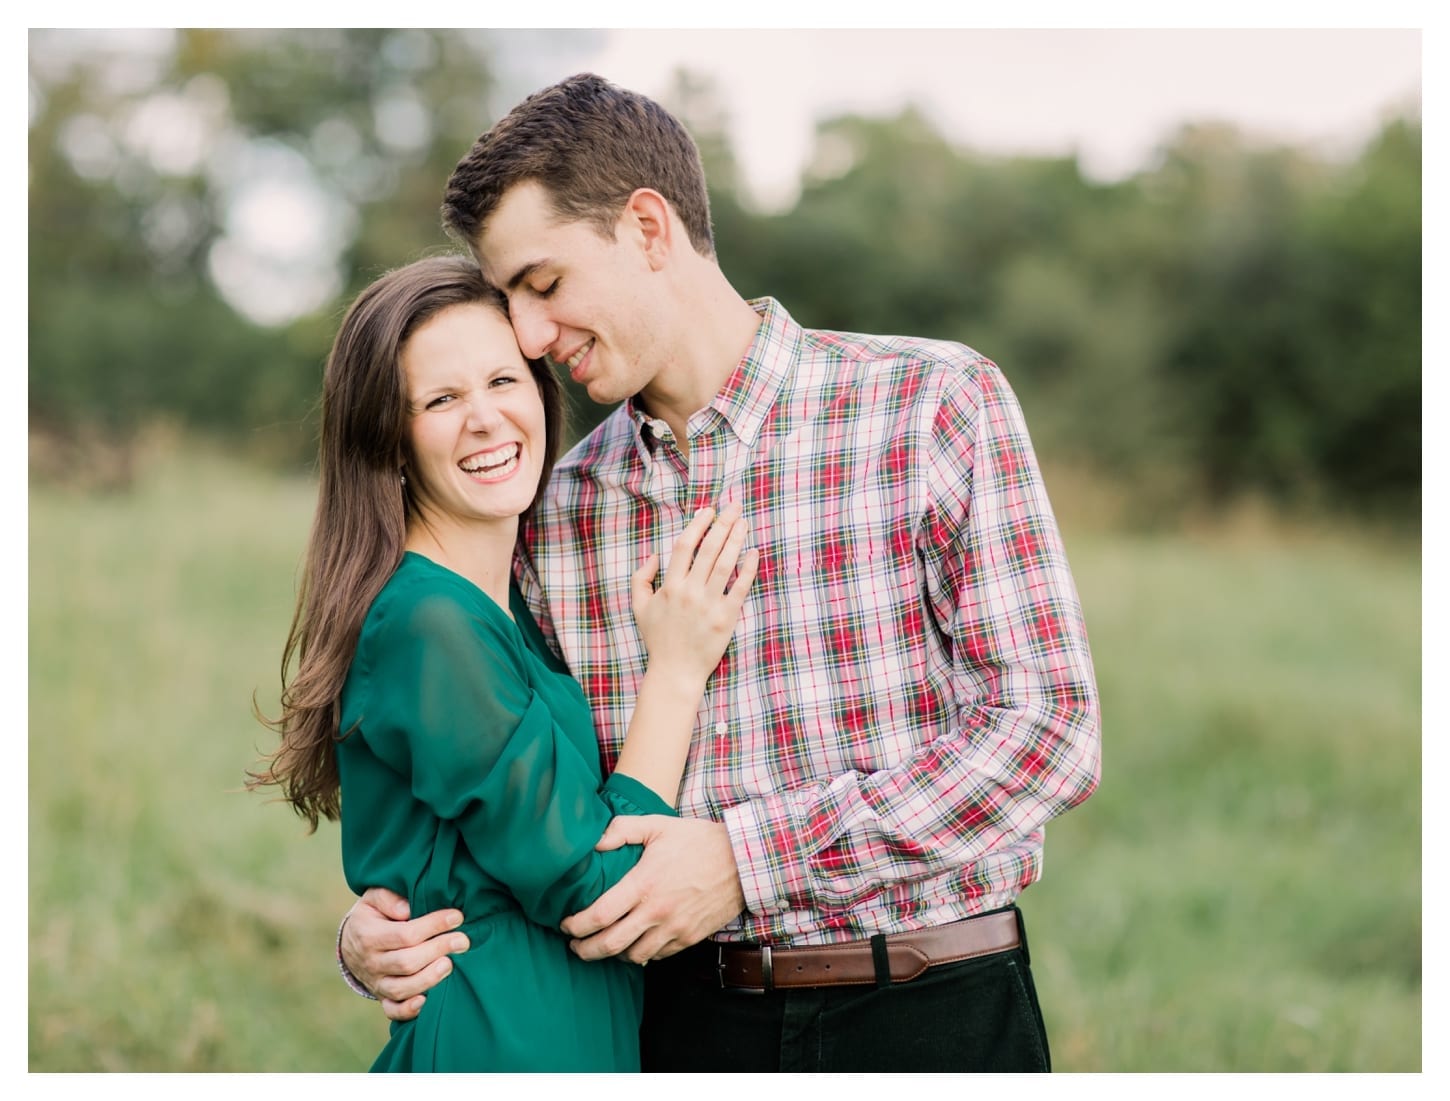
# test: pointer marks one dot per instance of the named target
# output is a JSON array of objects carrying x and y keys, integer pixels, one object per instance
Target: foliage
[
  {"x": 135, "y": 198},
  {"x": 1233, "y": 320},
  {"x": 1236, "y": 319}
]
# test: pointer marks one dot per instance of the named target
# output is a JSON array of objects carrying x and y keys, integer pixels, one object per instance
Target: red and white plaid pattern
[{"x": 909, "y": 695}]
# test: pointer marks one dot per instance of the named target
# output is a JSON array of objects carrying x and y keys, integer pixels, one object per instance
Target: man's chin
[{"x": 601, "y": 393}]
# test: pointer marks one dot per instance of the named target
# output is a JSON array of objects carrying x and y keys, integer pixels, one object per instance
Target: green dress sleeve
[{"x": 449, "y": 707}]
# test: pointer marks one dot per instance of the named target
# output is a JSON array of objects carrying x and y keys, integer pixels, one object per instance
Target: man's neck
[{"x": 720, "y": 329}]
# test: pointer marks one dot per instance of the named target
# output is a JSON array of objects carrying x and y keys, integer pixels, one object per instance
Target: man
[{"x": 909, "y": 695}]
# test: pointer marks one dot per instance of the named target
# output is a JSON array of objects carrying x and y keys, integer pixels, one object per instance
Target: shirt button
[{"x": 721, "y": 729}]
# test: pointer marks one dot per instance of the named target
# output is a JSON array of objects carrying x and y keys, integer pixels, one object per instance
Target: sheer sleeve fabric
[{"x": 449, "y": 706}]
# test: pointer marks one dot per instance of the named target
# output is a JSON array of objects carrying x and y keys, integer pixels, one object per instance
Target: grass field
[{"x": 1242, "y": 894}]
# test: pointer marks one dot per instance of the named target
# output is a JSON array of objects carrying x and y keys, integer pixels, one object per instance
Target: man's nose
[{"x": 533, "y": 329}]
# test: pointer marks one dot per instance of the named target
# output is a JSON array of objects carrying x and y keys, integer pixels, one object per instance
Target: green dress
[{"x": 471, "y": 779}]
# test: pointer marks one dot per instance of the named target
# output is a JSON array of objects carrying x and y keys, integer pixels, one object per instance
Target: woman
[{"x": 427, "y": 696}]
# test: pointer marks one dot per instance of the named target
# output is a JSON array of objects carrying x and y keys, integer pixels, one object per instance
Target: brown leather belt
[{"x": 904, "y": 955}]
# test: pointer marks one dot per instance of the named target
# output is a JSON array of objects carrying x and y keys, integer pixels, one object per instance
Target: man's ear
[{"x": 648, "y": 220}]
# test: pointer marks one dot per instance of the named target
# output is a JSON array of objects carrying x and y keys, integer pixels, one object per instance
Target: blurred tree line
[{"x": 1234, "y": 319}]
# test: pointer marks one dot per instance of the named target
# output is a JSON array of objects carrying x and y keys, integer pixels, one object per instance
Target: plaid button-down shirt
[{"x": 909, "y": 695}]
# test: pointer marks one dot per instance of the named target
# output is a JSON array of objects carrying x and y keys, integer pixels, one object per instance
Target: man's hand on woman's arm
[
  {"x": 396, "y": 958},
  {"x": 684, "y": 888}
]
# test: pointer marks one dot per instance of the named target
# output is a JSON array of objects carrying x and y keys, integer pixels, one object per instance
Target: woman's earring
[{"x": 402, "y": 478}]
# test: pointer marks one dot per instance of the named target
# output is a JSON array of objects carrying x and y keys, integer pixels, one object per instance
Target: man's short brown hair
[{"x": 590, "y": 144}]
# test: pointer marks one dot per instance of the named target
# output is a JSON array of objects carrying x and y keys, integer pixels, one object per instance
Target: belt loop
[
  {"x": 880, "y": 960},
  {"x": 767, "y": 969},
  {"x": 1022, "y": 935}
]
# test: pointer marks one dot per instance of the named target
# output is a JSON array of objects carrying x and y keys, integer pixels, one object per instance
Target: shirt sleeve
[
  {"x": 1024, "y": 745},
  {"x": 451, "y": 710}
]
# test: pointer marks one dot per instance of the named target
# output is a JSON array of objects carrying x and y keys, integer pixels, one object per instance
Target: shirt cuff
[
  {"x": 763, "y": 856},
  {"x": 636, "y": 797},
  {"x": 347, "y": 976}
]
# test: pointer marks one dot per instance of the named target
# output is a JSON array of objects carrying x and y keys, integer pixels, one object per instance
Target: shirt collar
[{"x": 751, "y": 391}]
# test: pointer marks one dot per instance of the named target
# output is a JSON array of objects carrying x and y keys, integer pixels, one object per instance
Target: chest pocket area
[{"x": 857, "y": 597}]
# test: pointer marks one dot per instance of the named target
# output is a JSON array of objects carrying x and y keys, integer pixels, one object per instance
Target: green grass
[
  {"x": 176, "y": 922},
  {"x": 1242, "y": 893}
]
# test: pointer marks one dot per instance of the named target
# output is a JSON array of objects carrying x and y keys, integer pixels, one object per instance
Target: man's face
[{"x": 575, "y": 296}]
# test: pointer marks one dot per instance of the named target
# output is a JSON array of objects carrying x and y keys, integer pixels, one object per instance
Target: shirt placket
[
  {"x": 707, "y": 469},
  {"x": 667, "y": 484},
  {"x": 681, "y": 486}
]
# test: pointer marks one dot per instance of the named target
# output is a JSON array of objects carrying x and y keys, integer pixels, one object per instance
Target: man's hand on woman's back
[{"x": 399, "y": 959}]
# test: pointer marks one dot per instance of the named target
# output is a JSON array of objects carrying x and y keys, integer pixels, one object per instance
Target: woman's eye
[
  {"x": 545, "y": 292},
  {"x": 438, "y": 402}
]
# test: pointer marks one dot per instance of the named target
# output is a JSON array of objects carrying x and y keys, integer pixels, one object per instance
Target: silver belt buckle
[{"x": 767, "y": 971}]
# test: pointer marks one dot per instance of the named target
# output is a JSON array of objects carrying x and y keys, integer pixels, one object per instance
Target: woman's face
[{"x": 476, "y": 432}]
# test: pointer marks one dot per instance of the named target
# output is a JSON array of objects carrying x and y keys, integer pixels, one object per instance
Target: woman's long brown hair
[{"x": 362, "y": 509}]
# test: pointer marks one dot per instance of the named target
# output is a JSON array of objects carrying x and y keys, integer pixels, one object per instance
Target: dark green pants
[{"x": 977, "y": 1015}]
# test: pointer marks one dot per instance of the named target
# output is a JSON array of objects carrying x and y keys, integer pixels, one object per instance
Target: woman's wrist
[
  {"x": 671, "y": 699},
  {"x": 675, "y": 679}
]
